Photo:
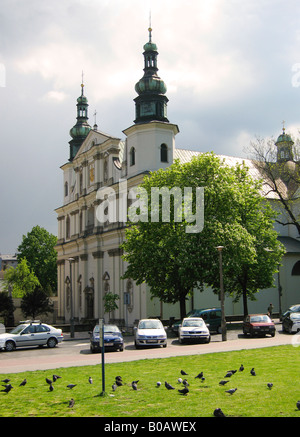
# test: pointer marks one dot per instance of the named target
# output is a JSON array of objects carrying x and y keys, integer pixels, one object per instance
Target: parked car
[
  {"x": 292, "y": 309},
  {"x": 291, "y": 323},
  {"x": 113, "y": 338},
  {"x": 31, "y": 333},
  {"x": 193, "y": 329},
  {"x": 150, "y": 332},
  {"x": 258, "y": 324},
  {"x": 211, "y": 317}
]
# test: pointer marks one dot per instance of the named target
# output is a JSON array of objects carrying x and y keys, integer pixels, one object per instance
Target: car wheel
[
  {"x": 208, "y": 340},
  {"x": 136, "y": 345},
  {"x": 51, "y": 342},
  {"x": 165, "y": 345},
  {"x": 10, "y": 346},
  {"x": 121, "y": 349},
  {"x": 273, "y": 334},
  {"x": 290, "y": 331}
]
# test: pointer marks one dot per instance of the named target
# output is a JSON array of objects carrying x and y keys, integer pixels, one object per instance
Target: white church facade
[{"x": 90, "y": 260}]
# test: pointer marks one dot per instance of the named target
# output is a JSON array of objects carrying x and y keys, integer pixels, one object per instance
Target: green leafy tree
[
  {"x": 38, "y": 248},
  {"x": 36, "y": 302},
  {"x": 110, "y": 302},
  {"x": 173, "y": 262},
  {"x": 21, "y": 279}
]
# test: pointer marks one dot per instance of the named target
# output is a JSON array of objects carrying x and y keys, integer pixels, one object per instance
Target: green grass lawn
[{"x": 279, "y": 365}]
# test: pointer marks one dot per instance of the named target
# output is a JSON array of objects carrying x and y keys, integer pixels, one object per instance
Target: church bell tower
[
  {"x": 151, "y": 140},
  {"x": 151, "y": 104}
]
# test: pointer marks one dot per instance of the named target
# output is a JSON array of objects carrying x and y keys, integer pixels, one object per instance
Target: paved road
[{"x": 77, "y": 352}]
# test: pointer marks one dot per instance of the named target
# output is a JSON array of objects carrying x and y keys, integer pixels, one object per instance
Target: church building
[{"x": 100, "y": 171}]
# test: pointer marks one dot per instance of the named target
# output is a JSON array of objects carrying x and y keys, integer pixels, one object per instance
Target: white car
[
  {"x": 31, "y": 333},
  {"x": 150, "y": 332},
  {"x": 193, "y": 329},
  {"x": 291, "y": 323}
]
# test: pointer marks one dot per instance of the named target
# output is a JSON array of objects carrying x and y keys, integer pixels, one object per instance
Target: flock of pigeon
[
  {"x": 7, "y": 386},
  {"x": 185, "y": 390},
  {"x": 119, "y": 382}
]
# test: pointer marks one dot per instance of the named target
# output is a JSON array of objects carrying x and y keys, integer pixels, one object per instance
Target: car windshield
[
  {"x": 193, "y": 322},
  {"x": 18, "y": 329},
  {"x": 150, "y": 324},
  {"x": 295, "y": 316},
  {"x": 111, "y": 328},
  {"x": 107, "y": 328},
  {"x": 260, "y": 319},
  {"x": 295, "y": 308}
]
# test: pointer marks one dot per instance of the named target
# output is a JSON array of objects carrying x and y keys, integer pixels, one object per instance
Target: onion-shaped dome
[
  {"x": 284, "y": 138},
  {"x": 80, "y": 130},
  {"x": 151, "y": 84}
]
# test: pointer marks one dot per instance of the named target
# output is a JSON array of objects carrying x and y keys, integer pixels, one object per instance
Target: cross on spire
[{"x": 82, "y": 84}]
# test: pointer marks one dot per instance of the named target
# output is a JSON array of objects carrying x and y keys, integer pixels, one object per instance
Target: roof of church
[
  {"x": 291, "y": 244},
  {"x": 186, "y": 155}
]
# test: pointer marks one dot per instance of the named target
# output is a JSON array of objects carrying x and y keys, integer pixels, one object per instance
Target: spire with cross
[{"x": 95, "y": 127}]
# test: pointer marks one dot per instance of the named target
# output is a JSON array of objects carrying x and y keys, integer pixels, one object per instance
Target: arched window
[
  {"x": 66, "y": 189},
  {"x": 132, "y": 156},
  {"x": 296, "y": 269},
  {"x": 164, "y": 153}
]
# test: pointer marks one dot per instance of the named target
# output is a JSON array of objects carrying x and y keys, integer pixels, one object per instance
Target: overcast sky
[{"x": 232, "y": 70}]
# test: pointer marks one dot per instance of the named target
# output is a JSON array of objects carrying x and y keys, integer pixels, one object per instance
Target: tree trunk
[
  {"x": 182, "y": 307},
  {"x": 245, "y": 303}
]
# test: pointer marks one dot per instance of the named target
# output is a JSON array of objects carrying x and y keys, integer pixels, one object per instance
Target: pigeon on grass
[
  {"x": 184, "y": 391},
  {"x": 231, "y": 391},
  {"x": 219, "y": 413},
  {"x": 169, "y": 386},
  {"x": 223, "y": 382}
]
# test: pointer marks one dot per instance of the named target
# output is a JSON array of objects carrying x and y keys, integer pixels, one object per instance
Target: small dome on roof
[
  {"x": 284, "y": 138},
  {"x": 150, "y": 46}
]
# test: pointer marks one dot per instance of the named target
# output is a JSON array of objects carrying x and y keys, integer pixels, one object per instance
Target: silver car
[
  {"x": 150, "y": 332},
  {"x": 193, "y": 329},
  {"x": 31, "y": 333}
]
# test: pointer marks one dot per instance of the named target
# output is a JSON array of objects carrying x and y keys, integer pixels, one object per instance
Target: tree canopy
[
  {"x": 174, "y": 258},
  {"x": 21, "y": 279},
  {"x": 38, "y": 249}
]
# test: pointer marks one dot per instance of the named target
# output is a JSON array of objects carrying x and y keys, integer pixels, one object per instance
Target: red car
[{"x": 258, "y": 324}]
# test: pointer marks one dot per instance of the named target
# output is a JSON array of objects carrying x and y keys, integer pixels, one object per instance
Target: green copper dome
[
  {"x": 284, "y": 146},
  {"x": 284, "y": 138},
  {"x": 152, "y": 84},
  {"x": 151, "y": 103},
  {"x": 81, "y": 129}
]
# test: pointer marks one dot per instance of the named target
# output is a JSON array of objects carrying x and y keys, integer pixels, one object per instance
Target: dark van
[{"x": 211, "y": 316}]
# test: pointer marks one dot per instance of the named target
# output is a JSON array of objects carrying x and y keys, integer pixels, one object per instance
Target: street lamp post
[
  {"x": 223, "y": 321},
  {"x": 72, "y": 330}
]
